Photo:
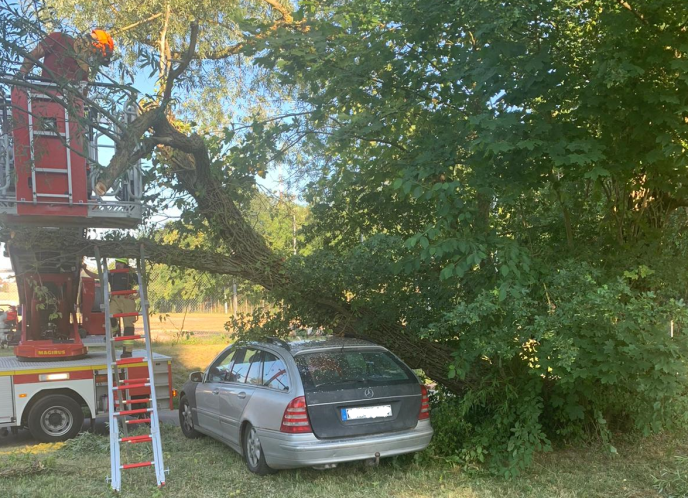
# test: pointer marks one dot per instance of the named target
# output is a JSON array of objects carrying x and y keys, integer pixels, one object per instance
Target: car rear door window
[
  {"x": 347, "y": 368},
  {"x": 274, "y": 372}
]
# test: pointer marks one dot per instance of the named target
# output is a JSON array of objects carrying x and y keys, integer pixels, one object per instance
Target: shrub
[{"x": 596, "y": 356}]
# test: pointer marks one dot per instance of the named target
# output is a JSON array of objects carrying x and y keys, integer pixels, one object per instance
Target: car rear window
[{"x": 347, "y": 368}]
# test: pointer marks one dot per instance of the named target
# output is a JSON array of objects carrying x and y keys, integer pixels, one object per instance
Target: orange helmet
[{"x": 102, "y": 43}]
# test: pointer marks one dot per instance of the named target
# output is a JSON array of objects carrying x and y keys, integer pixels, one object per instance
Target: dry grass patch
[{"x": 187, "y": 358}]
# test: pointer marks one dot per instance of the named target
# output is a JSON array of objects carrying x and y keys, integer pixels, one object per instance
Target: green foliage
[
  {"x": 597, "y": 358},
  {"x": 508, "y": 181},
  {"x": 86, "y": 442}
]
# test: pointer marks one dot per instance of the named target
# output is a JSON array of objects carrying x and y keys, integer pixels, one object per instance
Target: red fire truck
[
  {"x": 50, "y": 148},
  {"x": 50, "y": 398}
]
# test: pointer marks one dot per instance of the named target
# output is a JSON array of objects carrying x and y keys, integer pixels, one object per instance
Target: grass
[
  {"x": 648, "y": 467},
  {"x": 203, "y": 325},
  {"x": 207, "y": 468},
  {"x": 187, "y": 358}
]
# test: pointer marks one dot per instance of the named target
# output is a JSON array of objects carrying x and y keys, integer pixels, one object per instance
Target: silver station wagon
[{"x": 313, "y": 403}]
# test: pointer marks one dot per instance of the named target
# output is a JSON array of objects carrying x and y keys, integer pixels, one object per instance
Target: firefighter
[
  {"x": 68, "y": 58},
  {"x": 121, "y": 304}
]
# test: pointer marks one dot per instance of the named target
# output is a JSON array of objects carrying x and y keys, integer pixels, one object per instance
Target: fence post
[{"x": 235, "y": 300}]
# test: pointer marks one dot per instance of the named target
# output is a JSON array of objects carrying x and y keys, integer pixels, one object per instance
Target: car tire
[
  {"x": 186, "y": 419},
  {"x": 253, "y": 453},
  {"x": 55, "y": 418}
]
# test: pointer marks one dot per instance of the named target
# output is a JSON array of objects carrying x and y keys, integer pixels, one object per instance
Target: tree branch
[
  {"x": 136, "y": 24},
  {"x": 286, "y": 15},
  {"x": 69, "y": 242},
  {"x": 629, "y": 8},
  {"x": 131, "y": 148},
  {"x": 175, "y": 72}
]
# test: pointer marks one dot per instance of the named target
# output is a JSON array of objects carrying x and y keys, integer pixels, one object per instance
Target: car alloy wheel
[
  {"x": 253, "y": 448},
  {"x": 186, "y": 421},
  {"x": 187, "y": 418}
]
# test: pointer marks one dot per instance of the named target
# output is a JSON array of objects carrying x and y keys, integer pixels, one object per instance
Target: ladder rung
[
  {"x": 52, "y": 170},
  {"x": 137, "y": 465},
  {"x": 123, "y": 292},
  {"x": 61, "y": 196},
  {"x": 124, "y": 315},
  {"x": 135, "y": 411},
  {"x": 41, "y": 133},
  {"x": 120, "y": 270},
  {"x": 146, "y": 438},
  {"x": 128, "y": 338},
  {"x": 130, "y": 386},
  {"x": 135, "y": 380},
  {"x": 134, "y": 401},
  {"x": 138, "y": 421},
  {"x": 126, "y": 361}
]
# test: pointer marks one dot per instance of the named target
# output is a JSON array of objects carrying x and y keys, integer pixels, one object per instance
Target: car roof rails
[{"x": 278, "y": 342}]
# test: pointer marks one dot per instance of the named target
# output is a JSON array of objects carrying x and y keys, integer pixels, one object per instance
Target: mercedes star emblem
[{"x": 369, "y": 393}]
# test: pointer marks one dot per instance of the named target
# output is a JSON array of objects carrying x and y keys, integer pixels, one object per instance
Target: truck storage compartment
[{"x": 7, "y": 400}]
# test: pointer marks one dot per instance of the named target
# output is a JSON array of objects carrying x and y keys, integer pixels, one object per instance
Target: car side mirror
[{"x": 196, "y": 376}]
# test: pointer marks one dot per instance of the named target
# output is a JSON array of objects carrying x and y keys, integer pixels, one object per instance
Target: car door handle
[
  {"x": 216, "y": 392},
  {"x": 241, "y": 395}
]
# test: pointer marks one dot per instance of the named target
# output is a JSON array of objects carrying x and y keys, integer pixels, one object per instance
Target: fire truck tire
[{"x": 55, "y": 418}]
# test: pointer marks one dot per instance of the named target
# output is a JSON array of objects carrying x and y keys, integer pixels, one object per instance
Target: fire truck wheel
[{"x": 55, "y": 418}]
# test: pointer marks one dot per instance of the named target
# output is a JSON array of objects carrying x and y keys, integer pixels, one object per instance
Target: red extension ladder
[{"x": 121, "y": 386}]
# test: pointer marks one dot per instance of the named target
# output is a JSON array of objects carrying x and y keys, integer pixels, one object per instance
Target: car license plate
[{"x": 367, "y": 412}]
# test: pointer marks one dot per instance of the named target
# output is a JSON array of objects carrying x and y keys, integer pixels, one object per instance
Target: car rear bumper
[{"x": 285, "y": 451}]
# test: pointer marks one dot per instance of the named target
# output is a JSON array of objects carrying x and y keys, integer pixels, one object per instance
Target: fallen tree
[{"x": 432, "y": 357}]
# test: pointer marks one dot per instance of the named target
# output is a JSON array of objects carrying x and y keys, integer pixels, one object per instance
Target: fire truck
[
  {"x": 52, "y": 398},
  {"x": 52, "y": 143}
]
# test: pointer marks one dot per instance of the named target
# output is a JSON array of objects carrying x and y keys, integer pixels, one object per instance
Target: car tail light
[
  {"x": 295, "y": 419},
  {"x": 424, "y": 404}
]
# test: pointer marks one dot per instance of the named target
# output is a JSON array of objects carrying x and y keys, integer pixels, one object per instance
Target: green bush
[{"x": 597, "y": 357}]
